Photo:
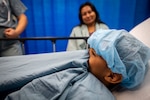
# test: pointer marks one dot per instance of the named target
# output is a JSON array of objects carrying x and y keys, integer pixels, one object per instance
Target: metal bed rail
[{"x": 52, "y": 39}]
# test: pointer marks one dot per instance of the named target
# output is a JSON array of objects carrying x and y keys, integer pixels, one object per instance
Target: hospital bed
[{"x": 57, "y": 76}]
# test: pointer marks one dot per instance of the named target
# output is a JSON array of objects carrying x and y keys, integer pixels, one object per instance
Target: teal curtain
[{"x": 56, "y": 18}]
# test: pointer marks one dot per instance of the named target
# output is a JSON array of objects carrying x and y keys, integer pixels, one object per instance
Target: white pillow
[{"x": 142, "y": 32}]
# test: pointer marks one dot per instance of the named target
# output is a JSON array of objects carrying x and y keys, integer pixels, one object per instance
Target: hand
[
  {"x": 92, "y": 52},
  {"x": 10, "y": 33}
]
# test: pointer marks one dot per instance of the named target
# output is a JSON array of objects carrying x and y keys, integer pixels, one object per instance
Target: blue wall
[{"x": 56, "y": 18}]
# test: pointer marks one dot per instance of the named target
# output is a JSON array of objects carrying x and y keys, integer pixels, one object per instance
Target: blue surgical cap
[{"x": 123, "y": 53}]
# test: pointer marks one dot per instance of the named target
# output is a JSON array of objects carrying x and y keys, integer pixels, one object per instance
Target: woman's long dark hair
[{"x": 98, "y": 20}]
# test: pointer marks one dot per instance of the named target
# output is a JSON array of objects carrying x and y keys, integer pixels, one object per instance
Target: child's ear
[{"x": 113, "y": 78}]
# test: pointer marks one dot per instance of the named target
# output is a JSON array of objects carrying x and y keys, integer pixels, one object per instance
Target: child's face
[{"x": 97, "y": 65}]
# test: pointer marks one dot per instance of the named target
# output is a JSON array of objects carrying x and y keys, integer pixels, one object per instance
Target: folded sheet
[{"x": 51, "y": 76}]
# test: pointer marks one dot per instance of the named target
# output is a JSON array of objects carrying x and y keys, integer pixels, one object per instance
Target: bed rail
[{"x": 52, "y": 39}]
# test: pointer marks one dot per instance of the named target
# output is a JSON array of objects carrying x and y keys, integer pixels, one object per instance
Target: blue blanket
[{"x": 51, "y": 76}]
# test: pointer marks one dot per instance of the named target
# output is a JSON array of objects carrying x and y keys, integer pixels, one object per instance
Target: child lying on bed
[
  {"x": 115, "y": 57},
  {"x": 99, "y": 68},
  {"x": 126, "y": 58}
]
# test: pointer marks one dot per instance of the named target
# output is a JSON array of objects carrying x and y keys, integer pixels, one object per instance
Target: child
[
  {"x": 98, "y": 67},
  {"x": 124, "y": 55}
]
